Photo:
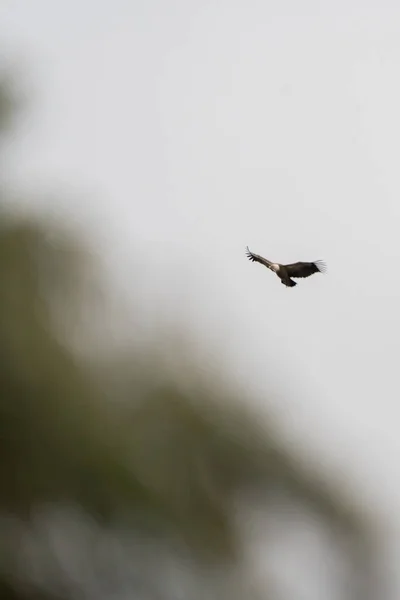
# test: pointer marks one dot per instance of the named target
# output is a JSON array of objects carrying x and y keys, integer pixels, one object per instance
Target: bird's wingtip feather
[{"x": 321, "y": 266}]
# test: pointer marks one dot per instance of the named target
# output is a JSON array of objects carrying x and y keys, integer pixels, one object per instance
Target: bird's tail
[{"x": 288, "y": 282}]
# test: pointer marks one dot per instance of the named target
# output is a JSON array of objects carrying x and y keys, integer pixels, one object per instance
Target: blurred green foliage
[{"x": 133, "y": 470}]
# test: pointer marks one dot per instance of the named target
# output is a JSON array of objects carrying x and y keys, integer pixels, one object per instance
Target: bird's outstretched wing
[
  {"x": 305, "y": 269},
  {"x": 257, "y": 258}
]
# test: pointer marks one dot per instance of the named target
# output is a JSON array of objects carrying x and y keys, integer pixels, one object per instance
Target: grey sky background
[{"x": 182, "y": 131}]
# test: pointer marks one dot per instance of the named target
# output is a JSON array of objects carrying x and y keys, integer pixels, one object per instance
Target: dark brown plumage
[{"x": 286, "y": 272}]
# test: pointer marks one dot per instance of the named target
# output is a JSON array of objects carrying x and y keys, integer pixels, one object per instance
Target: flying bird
[{"x": 286, "y": 272}]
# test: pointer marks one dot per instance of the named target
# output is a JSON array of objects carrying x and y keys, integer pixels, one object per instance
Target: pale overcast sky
[{"x": 184, "y": 131}]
